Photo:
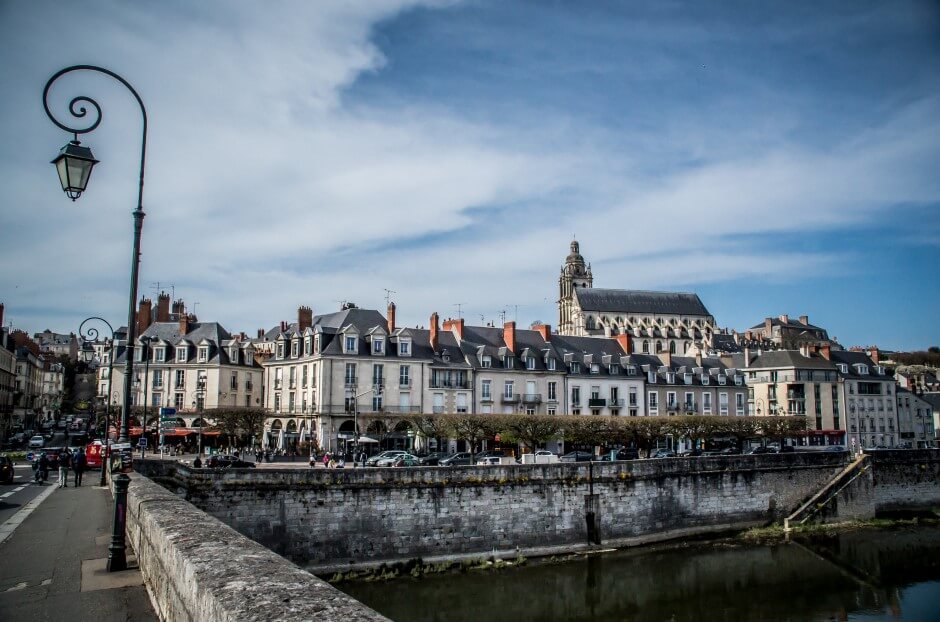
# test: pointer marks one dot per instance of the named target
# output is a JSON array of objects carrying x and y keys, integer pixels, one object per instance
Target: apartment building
[
  {"x": 915, "y": 420},
  {"x": 679, "y": 385},
  {"x": 869, "y": 397}
]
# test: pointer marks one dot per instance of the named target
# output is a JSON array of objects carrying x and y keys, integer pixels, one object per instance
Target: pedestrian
[
  {"x": 65, "y": 459},
  {"x": 326, "y": 459},
  {"x": 78, "y": 466},
  {"x": 197, "y": 463}
]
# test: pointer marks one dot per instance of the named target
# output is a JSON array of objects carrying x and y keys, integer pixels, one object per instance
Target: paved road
[{"x": 20, "y": 492}]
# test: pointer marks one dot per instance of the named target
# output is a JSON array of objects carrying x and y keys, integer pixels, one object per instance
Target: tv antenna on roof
[
  {"x": 194, "y": 307},
  {"x": 459, "y": 306},
  {"x": 388, "y": 295},
  {"x": 157, "y": 288}
]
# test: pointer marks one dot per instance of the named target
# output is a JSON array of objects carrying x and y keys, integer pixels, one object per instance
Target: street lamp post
[
  {"x": 91, "y": 335},
  {"x": 74, "y": 164}
]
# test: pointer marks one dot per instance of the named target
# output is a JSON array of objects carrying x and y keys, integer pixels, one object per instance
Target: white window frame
[
  {"x": 203, "y": 354},
  {"x": 350, "y": 344},
  {"x": 181, "y": 353},
  {"x": 378, "y": 345},
  {"x": 508, "y": 388},
  {"x": 404, "y": 347},
  {"x": 160, "y": 354},
  {"x": 530, "y": 362},
  {"x": 486, "y": 389}
]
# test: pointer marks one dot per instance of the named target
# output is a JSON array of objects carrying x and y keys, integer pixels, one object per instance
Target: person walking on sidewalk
[
  {"x": 78, "y": 466},
  {"x": 64, "y": 463}
]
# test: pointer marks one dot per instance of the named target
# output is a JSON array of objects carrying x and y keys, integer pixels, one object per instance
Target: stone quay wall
[
  {"x": 905, "y": 479},
  {"x": 326, "y": 518},
  {"x": 198, "y": 569}
]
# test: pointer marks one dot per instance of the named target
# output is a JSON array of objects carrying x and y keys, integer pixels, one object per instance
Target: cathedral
[{"x": 674, "y": 322}]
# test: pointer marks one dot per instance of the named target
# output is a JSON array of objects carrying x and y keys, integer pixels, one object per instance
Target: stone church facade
[{"x": 673, "y": 322}]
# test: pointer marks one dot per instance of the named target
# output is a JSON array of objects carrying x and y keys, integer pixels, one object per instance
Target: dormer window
[
  {"x": 294, "y": 348},
  {"x": 486, "y": 361},
  {"x": 181, "y": 354},
  {"x": 575, "y": 368},
  {"x": 843, "y": 368},
  {"x": 670, "y": 378},
  {"x": 233, "y": 354},
  {"x": 404, "y": 348},
  {"x": 880, "y": 370},
  {"x": 614, "y": 369},
  {"x": 203, "y": 354},
  {"x": 862, "y": 369},
  {"x": 550, "y": 364},
  {"x": 509, "y": 361},
  {"x": 631, "y": 370},
  {"x": 160, "y": 354},
  {"x": 378, "y": 346},
  {"x": 739, "y": 380},
  {"x": 595, "y": 368},
  {"x": 139, "y": 354},
  {"x": 280, "y": 350},
  {"x": 687, "y": 378},
  {"x": 530, "y": 362},
  {"x": 706, "y": 379},
  {"x": 316, "y": 344},
  {"x": 651, "y": 377},
  {"x": 351, "y": 344},
  {"x": 308, "y": 344}
]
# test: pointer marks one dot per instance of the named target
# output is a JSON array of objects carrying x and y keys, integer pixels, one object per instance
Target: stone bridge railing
[{"x": 197, "y": 568}]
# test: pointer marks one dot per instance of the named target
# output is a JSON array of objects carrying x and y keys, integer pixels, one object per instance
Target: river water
[{"x": 862, "y": 575}]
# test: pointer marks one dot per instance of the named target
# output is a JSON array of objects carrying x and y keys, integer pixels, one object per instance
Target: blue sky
[{"x": 773, "y": 158}]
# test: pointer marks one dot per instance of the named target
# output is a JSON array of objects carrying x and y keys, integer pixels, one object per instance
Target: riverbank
[{"x": 418, "y": 568}]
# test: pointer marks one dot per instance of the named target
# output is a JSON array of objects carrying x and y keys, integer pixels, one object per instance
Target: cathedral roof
[{"x": 640, "y": 302}]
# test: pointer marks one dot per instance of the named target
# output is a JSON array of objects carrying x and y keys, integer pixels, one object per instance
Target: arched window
[
  {"x": 672, "y": 347},
  {"x": 659, "y": 347},
  {"x": 646, "y": 347},
  {"x": 589, "y": 323}
]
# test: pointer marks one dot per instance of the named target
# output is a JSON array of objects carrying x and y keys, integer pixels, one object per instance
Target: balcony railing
[
  {"x": 689, "y": 407},
  {"x": 617, "y": 403},
  {"x": 532, "y": 398},
  {"x": 597, "y": 402},
  {"x": 510, "y": 399},
  {"x": 453, "y": 384},
  {"x": 404, "y": 410},
  {"x": 437, "y": 410},
  {"x": 672, "y": 406},
  {"x": 487, "y": 398}
]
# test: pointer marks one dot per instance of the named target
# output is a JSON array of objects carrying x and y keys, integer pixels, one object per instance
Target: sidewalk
[{"x": 52, "y": 566}]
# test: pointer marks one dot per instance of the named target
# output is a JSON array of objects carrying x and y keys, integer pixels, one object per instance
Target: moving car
[
  {"x": 577, "y": 456},
  {"x": 459, "y": 459},
  {"x": 385, "y": 455},
  {"x": 37, "y": 442},
  {"x": 6, "y": 470}
]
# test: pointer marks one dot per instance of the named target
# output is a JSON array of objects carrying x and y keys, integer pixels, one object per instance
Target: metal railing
[
  {"x": 597, "y": 402},
  {"x": 510, "y": 399},
  {"x": 532, "y": 398}
]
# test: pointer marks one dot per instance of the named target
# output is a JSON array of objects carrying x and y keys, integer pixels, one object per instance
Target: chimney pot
[
  {"x": 283, "y": 326},
  {"x": 434, "y": 330},
  {"x": 546, "y": 331},
  {"x": 260, "y": 333},
  {"x": 785, "y": 318},
  {"x": 163, "y": 307},
  {"x": 804, "y": 320}
]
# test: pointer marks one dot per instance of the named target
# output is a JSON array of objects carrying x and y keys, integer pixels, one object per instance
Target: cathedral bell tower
[{"x": 575, "y": 273}]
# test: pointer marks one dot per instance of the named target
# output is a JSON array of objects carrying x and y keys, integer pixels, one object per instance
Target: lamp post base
[{"x": 117, "y": 550}]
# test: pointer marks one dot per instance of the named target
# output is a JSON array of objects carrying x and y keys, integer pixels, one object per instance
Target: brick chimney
[
  {"x": 144, "y": 315},
  {"x": 785, "y": 318},
  {"x": 625, "y": 343},
  {"x": 163, "y": 307},
  {"x": 390, "y": 316},
  {"x": 455, "y": 326},
  {"x": 546, "y": 331},
  {"x": 283, "y": 326},
  {"x": 304, "y": 318},
  {"x": 260, "y": 333},
  {"x": 873, "y": 354},
  {"x": 666, "y": 357},
  {"x": 826, "y": 351},
  {"x": 509, "y": 335},
  {"x": 434, "y": 330},
  {"x": 179, "y": 308},
  {"x": 804, "y": 320},
  {"x": 184, "y": 323},
  {"x": 768, "y": 327}
]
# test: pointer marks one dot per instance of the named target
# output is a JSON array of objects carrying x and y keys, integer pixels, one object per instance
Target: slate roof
[
  {"x": 640, "y": 302},
  {"x": 169, "y": 332},
  {"x": 790, "y": 324},
  {"x": 853, "y": 358},
  {"x": 783, "y": 358},
  {"x": 933, "y": 399}
]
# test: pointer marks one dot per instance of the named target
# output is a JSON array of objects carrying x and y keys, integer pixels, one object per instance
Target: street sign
[
  {"x": 167, "y": 411},
  {"x": 167, "y": 425},
  {"x": 30, "y": 456},
  {"x": 142, "y": 442}
]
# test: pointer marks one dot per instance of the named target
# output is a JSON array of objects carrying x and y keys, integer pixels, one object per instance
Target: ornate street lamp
[{"x": 74, "y": 164}]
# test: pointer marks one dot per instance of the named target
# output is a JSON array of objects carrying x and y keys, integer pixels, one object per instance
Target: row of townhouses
[{"x": 616, "y": 352}]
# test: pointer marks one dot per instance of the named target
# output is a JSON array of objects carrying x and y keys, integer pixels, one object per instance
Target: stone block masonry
[
  {"x": 197, "y": 569},
  {"x": 325, "y": 518}
]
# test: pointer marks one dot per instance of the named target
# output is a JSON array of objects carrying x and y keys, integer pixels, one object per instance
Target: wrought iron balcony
[
  {"x": 598, "y": 402},
  {"x": 510, "y": 399},
  {"x": 532, "y": 398}
]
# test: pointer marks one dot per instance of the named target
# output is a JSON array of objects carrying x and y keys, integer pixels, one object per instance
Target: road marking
[
  {"x": 7, "y": 528},
  {"x": 6, "y": 494},
  {"x": 18, "y": 586},
  {"x": 19, "y": 488}
]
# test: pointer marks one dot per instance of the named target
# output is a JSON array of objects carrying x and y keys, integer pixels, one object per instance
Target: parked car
[
  {"x": 390, "y": 458},
  {"x": 6, "y": 470},
  {"x": 489, "y": 453},
  {"x": 835, "y": 448},
  {"x": 761, "y": 450},
  {"x": 489, "y": 461},
  {"x": 543, "y": 452},
  {"x": 627, "y": 453},
  {"x": 433, "y": 458},
  {"x": 577, "y": 456},
  {"x": 226, "y": 461},
  {"x": 18, "y": 439},
  {"x": 667, "y": 453},
  {"x": 462, "y": 458},
  {"x": 374, "y": 460},
  {"x": 406, "y": 460},
  {"x": 37, "y": 442}
]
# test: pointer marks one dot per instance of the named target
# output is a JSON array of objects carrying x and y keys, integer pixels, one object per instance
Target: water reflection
[{"x": 869, "y": 575}]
